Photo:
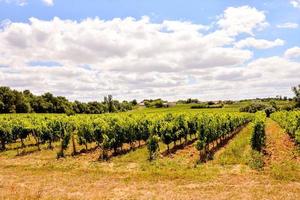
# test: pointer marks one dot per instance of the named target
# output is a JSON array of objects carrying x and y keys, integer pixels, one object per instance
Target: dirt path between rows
[
  {"x": 192, "y": 154},
  {"x": 279, "y": 146},
  {"x": 282, "y": 161}
]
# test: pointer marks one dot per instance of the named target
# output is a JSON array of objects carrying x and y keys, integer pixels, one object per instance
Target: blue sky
[
  {"x": 193, "y": 10},
  {"x": 279, "y": 31},
  {"x": 204, "y": 12}
]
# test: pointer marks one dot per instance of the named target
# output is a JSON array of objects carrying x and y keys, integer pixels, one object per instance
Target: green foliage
[
  {"x": 199, "y": 106},
  {"x": 253, "y": 107},
  {"x": 64, "y": 145},
  {"x": 256, "y": 160},
  {"x": 290, "y": 121},
  {"x": 111, "y": 131},
  {"x": 153, "y": 146},
  {"x": 216, "y": 127},
  {"x": 269, "y": 110},
  {"x": 258, "y": 136},
  {"x": 85, "y": 133},
  {"x": 13, "y": 101},
  {"x": 157, "y": 103},
  {"x": 5, "y": 134},
  {"x": 296, "y": 91}
]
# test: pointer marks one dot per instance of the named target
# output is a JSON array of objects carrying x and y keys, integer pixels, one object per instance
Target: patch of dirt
[
  {"x": 279, "y": 146},
  {"x": 190, "y": 152}
]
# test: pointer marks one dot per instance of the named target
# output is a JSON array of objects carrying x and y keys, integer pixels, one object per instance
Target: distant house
[
  {"x": 141, "y": 103},
  {"x": 169, "y": 104}
]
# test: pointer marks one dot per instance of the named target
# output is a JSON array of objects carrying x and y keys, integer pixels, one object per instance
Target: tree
[
  {"x": 13, "y": 101},
  {"x": 7, "y": 98},
  {"x": 296, "y": 90},
  {"x": 134, "y": 102},
  {"x": 108, "y": 101},
  {"x": 1, "y": 106}
]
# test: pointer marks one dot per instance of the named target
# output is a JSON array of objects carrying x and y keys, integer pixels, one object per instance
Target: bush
[
  {"x": 256, "y": 160},
  {"x": 269, "y": 110},
  {"x": 157, "y": 103},
  {"x": 258, "y": 136},
  {"x": 290, "y": 121},
  {"x": 201, "y": 106},
  {"x": 253, "y": 108},
  {"x": 153, "y": 146}
]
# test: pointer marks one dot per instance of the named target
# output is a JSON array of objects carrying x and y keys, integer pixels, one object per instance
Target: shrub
[
  {"x": 153, "y": 146},
  {"x": 258, "y": 135},
  {"x": 253, "y": 107}
]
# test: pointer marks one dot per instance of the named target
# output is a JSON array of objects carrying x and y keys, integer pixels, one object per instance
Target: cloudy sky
[{"x": 171, "y": 49}]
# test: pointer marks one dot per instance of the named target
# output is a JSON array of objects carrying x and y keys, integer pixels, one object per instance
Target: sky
[{"x": 141, "y": 49}]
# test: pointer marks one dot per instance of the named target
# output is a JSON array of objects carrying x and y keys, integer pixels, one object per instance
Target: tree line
[{"x": 13, "y": 101}]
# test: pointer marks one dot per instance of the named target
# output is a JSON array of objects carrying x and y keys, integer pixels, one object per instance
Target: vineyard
[
  {"x": 111, "y": 133},
  {"x": 290, "y": 121},
  {"x": 163, "y": 147}
]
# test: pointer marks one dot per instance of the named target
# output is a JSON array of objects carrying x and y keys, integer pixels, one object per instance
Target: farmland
[
  {"x": 142, "y": 100},
  {"x": 232, "y": 169}
]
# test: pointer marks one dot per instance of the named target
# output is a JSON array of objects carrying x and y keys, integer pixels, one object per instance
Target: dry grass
[{"x": 282, "y": 160}]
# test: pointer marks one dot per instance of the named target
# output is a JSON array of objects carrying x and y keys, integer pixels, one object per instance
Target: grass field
[{"x": 228, "y": 175}]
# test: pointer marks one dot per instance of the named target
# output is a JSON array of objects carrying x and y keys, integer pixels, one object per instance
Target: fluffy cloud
[
  {"x": 288, "y": 25},
  {"x": 258, "y": 43},
  {"x": 292, "y": 52},
  {"x": 242, "y": 20},
  {"x": 136, "y": 58},
  {"x": 295, "y": 3},
  {"x": 48, "y": 2},
  {"x": 17, "y": 2}
]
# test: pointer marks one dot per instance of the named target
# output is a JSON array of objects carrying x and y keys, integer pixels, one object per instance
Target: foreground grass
[{"x": 238, "y": 150}]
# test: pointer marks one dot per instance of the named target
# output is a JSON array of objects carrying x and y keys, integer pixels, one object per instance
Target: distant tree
[
  {"x": 158, "y": 103},
  {"x": 253, "y": 107},
  {"x": 13, "y": 101},
  {"x": 111, "y": 107},
  {"x": 134, "y": 102},
  {"x": 109, "y": 103},
  {"x": 296, "y": 90},
  {"x": 210, "y": 103},
  {"x": 7, "y": 98},
  {"x": 1, "y": 106},
  {"x": 189, "y": 100}
]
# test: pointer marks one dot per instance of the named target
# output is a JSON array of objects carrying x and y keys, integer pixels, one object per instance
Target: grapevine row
[
  {"x": 290, "y": 121},
  {"x": 258, "y": 137},
  {"x": 111, "y": 131}
]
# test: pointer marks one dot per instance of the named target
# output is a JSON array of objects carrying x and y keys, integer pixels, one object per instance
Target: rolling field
[
  {"x": 231, "y": 172},
  {"x": 149, "y": 100}
]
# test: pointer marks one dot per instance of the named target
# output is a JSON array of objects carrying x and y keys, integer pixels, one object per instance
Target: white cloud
[
  {"x": 243, "y": 19},
  {"x": 295, "y": 3},
  {"x": 49, "y": 2},
  {"x": 17, "y": 2},
  {"x": 25, "y": 2},
  {"x": 136, "y": 58},
  {"x": 292, "y": 52},
  {"x": 288, "y": 25},
  {"x": 258, "y": 43}
]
